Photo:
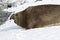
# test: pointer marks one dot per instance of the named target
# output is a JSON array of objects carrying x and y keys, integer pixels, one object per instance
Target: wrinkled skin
[{"x": 38, "y": 16}]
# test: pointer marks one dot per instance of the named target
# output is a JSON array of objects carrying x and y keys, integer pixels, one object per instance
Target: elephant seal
[{"x": 37, "y": 16}]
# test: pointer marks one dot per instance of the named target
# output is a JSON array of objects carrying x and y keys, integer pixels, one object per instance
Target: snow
[
  {"x": 31, "y": 3},
  {"x": 9, "y": 25},
  {"x": 40, "y": 34},
  {"x": 46, "y": 33},
  {"x": 11, "y": 31}
]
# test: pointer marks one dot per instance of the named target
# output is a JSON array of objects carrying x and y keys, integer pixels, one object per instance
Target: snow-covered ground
[
  {"x": 28, "y": 4},
  {"x": 10, "y": 31}
]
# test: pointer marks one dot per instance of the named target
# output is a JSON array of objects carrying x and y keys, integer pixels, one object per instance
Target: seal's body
[{"x": 38, "y": 16}]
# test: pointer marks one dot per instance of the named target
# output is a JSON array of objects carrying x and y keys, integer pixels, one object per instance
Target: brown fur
[{"x": 38, "y": 16}]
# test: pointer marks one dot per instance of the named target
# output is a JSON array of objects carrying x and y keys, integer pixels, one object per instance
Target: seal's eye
[{"x": 9, "y": 5}]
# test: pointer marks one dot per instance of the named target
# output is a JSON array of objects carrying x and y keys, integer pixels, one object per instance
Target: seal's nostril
[{"x": 9, "y": 6}]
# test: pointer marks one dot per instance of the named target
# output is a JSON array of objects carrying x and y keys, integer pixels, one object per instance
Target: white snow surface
[
  {"x": 28, "y": 4},
  {"x": 14, "y": 32},
  {"x": 10, "y": 31}
]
